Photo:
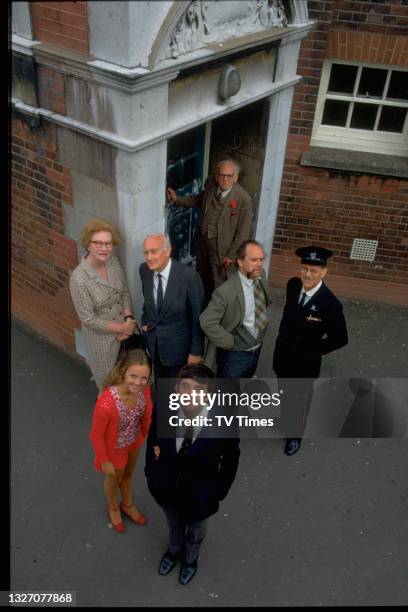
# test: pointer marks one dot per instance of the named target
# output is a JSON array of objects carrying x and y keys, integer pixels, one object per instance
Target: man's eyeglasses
[
  {"x": 100, "y": 244},
  {"x": 226, "y": 175}
]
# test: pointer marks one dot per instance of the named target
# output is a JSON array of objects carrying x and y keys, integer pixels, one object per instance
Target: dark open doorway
[{"x": 240, "y": 135}]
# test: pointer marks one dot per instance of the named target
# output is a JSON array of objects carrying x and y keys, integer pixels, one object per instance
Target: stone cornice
[
  {"x": 126, "y": 79},
  {"x": 23, "y": 45},
  {"x": 132, "y": 146},
  {"x": 131, "y": 80}
]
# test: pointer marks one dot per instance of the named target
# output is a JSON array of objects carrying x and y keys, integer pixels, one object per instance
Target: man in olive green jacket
[{"x": 235, "y": 320}]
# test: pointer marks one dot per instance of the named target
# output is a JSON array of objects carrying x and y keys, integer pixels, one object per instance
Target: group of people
[{"x": 194, "y": 323}]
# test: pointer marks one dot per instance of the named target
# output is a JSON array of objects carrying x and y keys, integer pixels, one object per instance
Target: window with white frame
[{"x": 362, "y": 107}]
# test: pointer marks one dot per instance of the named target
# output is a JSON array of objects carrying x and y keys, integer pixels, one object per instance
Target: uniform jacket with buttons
[
  {"x": 96, "y": 301},
  {"x": 306, "y": 333},
  {"x": 194, "y": 485}
]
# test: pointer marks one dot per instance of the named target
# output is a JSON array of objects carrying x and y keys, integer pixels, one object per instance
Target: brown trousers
[{"x": 209, "y": 267}]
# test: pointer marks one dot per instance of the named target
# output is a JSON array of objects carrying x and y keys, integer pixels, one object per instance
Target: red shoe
[
  {"x": 119, "y": 527},
  {"x": 140, "y": 520}
]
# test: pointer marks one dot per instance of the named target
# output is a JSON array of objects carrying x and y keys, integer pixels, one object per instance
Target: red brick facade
[
  {"x": 61, "y": 23},
  {"x": 41, "y": 254},
  {"x": 51, "y": 90},
  {"x": 330, "y": 207},
  {"x": 319, "y": 206}
]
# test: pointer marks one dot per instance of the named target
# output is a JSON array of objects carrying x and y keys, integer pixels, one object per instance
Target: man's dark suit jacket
[
  {"x": 305, "y": 334},
  {"x": 176, "y": 328},
  {"x": 194, "y": 485}
]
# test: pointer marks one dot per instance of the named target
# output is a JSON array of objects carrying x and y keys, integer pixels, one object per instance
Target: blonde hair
[
  {"x": 98, "y": 225},
  {"x": 117, "y": 373}
]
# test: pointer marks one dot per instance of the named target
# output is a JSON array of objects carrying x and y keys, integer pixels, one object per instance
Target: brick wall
[
  {"x": 328, "y": 207},
  {"x": 51, "y": 89},
  {"x": 61, "y": 23},
  {"x": 41, "y": 254}
]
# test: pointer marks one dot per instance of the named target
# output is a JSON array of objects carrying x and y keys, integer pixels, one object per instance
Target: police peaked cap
[{"x": 313, "y": 255}]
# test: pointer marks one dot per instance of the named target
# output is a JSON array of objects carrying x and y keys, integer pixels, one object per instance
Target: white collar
[
  {"x": 196, "y": 428},
  {"x": 311, "y": 292},
  {"x": 245, "y": 280},
  {"x": 165, "y": 272},
  {"x": 224, "y": 193}
]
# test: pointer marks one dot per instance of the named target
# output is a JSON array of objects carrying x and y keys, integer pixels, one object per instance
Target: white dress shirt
[
  {"x": 309, "y": 293},
  {"x": 223, "y": 193},
  {"x": 249, "y": 319},
  {"x": 165, "y": 273},
  {"x": 196, "y": 429}
]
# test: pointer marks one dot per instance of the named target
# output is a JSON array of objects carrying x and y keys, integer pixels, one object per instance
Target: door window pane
[
  {"x": 398, "y": 87},
  {"x": 372, "y": 82},
  {"x": 335, "y": 112},
  {"x": 363, "y": 117},
  {"x": 175, "y": 147},
  {"x": 342, "y": 79},
  {"x": 392, "y": 119}
]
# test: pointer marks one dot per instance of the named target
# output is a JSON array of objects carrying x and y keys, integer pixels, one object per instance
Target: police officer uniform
[{"x": 312, "y": 325}]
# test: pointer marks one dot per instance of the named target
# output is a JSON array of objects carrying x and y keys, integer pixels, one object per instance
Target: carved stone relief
[{"x": 205, "y": 22}]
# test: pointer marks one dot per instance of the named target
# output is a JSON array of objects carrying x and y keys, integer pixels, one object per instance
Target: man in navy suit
[
  {"x": 312, "y": 325},
  {"x": 190, "y": 474},
  {"x": 173, "y": 300}
]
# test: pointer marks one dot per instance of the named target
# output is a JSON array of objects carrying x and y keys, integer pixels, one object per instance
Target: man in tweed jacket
[{"x": 226, "y": 216}]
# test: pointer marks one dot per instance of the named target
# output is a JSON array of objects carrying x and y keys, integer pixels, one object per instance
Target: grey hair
[
  {"x": 166, "y": 239},
  {"x": 230, "y": 161}
]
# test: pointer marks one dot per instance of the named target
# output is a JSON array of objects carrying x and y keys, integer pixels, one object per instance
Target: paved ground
[{"x": 328, "y": 526}]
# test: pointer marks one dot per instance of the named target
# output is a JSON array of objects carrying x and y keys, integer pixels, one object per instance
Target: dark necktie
[
  {"x": 303, "y": 300},
  {"x": 261, "y": 320},
  {"x": 187, "y": 442},
  {"x": 159, "y": 303}
]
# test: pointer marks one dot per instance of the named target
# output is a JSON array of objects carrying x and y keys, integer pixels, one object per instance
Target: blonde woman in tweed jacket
[{"x": 101, "y": 298}]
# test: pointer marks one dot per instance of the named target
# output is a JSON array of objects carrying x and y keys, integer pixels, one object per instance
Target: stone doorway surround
[{"x": 138, "y": 89}]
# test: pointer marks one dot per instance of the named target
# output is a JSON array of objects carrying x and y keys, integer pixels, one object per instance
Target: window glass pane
[
  {"x": 398, "y": 87},
  {"x": 175, "y": 175},
  {"x": 335, "y": 112},
  {"x": 392, "y": 119},
  {"x": 372, "y": 82},
  {"x": 181, "y": 145},
  {"x": 342, "y": 79},
  {"x": 363, "y": 117},
  {"x": 189, "y": 170},
  {"x": 175, "y": 147}
]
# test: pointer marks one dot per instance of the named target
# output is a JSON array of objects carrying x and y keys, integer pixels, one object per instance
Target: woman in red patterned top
[{"x": 120, "y": 423}]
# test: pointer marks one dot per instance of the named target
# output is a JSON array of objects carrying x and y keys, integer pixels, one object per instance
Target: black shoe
[
  {"x": 167, "y": 563},
  {"x": 292, "y": 446},
  {"x": 187, "y": 572}
]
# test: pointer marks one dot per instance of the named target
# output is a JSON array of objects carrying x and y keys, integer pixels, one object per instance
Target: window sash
[{"x": 328, "y": 135}]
